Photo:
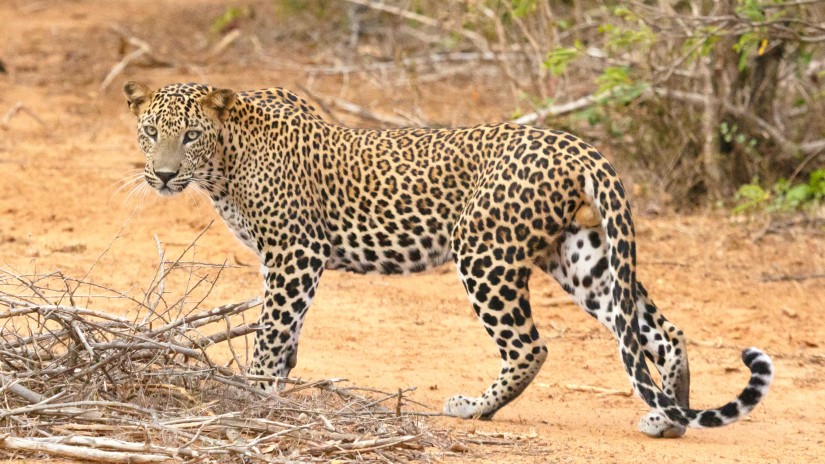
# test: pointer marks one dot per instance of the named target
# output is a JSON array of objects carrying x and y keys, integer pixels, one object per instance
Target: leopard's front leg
[{"x": 290, "y": 279}]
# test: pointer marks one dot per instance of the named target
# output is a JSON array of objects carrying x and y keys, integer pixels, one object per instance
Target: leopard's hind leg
[
  {"x": 495, "y": 263},
  {"x": 664, "y": 345},
  {"x": 580, "y": 264}
]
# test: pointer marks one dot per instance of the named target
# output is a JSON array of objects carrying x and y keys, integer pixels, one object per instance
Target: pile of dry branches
[{"x": 86, "y": 384}]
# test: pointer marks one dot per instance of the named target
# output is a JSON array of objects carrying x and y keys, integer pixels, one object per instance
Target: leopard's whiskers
[
  {"x": 127, "y": 181},
  {"x": 137, "y": 195}
]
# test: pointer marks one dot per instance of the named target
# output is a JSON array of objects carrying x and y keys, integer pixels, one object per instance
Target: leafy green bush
[{"x": 784, "y": 196}]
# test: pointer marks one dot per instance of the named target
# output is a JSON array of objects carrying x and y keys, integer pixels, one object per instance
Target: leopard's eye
[
  {"x": 150, "y": 131},
  {"x": 191, "y": 135}
]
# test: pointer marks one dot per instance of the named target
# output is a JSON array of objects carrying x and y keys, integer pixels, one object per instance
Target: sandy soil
[{"x": 59, "y": 209}]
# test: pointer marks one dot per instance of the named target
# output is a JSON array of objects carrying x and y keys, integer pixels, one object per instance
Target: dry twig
[
  {"x": 359, "y": 111},
  {"x": 141, "y": 49},
  {"x": 599, "y": 390},
  {"x": 473, "y": 36},
  {"x": 19, "y": 107},
  {"x": 86, "y": 453},
  {"x": 793, "y": 277}
]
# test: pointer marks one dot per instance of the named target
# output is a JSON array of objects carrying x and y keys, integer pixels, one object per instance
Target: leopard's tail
[{"x": 607, "y": 195}]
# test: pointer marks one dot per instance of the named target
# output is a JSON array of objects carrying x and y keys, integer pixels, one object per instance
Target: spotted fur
[{"x": 501, "y": 200}]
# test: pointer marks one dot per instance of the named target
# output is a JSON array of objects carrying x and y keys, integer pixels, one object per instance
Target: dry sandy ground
[{"x": 59, "y": 209}]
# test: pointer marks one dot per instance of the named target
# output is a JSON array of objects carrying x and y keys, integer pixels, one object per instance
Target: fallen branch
[
  {"x": 120, "y": 66},
  {"x": 77, "y": 452},
  {"x": 417, "y": 62},
  {"x": 207, "y": 317},
  {"x": 562, "y": 109},
  {"x": 19, "y": 107},
  {"x": 361, "y": 446},
  {"x": 142, "y": 49},
  {"x": 486, "y": 441},
  {"x": 474, "y": 37},
  {"x": 357, "y": 110},
  {"x": 117, "y": 445},
  {"x": 223, "y": 44},
  {"x": 219, "y": 337},
  {"x": 21, "y": 391},
  {"x": 792, "y": 277},
  {"x": 601, "y": 391}
]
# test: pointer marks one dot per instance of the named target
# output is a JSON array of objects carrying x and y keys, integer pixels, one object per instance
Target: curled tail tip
[
  {"x": 749, "y": 354},
  {"x": 758, "y": 362},
  {"x": 762, "y": 371}
]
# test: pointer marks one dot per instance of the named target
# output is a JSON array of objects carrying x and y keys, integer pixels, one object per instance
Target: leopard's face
[
  {"x": 176, "y": 146},
  {"x": 178, "y": 131}
]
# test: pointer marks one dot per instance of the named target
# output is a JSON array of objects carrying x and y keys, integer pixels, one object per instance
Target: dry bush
[{"x": 87, "y": 384}]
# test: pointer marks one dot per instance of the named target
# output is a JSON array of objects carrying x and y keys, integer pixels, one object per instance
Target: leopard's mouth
[{"x": 168, "y": 189}]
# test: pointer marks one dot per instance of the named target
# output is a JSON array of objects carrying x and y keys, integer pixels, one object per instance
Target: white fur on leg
[
  {"x": 653, "y": 424},
  {"x": 462, "y": 407}
]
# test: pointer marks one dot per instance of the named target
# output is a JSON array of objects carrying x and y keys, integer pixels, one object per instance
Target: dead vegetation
[{"x": 83, "y": 383}]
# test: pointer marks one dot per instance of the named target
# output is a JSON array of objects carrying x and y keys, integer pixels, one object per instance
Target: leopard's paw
[
  {"x": 462, "y": 407},
  {"x": 653, "y": 424}
]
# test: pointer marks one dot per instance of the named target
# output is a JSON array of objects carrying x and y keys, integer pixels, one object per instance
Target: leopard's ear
[
  {"x": 220, "y": 101},
  {"x": 137, "y": 94}
]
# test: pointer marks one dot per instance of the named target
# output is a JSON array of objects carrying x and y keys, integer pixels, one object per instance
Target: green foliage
[
  {"x": 731, "y": 134},
  {"x": 745, "y": 47},
  {"x": 783, "y": 196},
  {"x": 319, "y": 9},
  {"x": 612, "y": 77},
  {"x": 702, "y": 43},
  {"x": 635, "y": 36},
  {"x": 751, "y": 197},
  {"x": 230, "y": 18},
  {"x": 754, "y": 42},
  {"x": 522, "y": 8},
  {"x": 558, "y": 59},
  {"x": 751, "y": 9},
  {"x": 594, "y": 115},
  {"x": 620, "y": 87},
  {"x": 626, "y": 93}
]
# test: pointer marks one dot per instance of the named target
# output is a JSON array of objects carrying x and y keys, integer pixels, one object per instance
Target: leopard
[{"x": 501, "y": 201}]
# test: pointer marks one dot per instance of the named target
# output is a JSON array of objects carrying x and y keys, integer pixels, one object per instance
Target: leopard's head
[{"x": 178, "y": 130}]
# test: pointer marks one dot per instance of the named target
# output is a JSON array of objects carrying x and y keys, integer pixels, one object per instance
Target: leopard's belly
[{"x": 381, "y": 253}]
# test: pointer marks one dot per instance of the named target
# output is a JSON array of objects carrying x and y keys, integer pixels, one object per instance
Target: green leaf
[
  {"x": 751, "y": 9},
  {"x": 817, "y": 183},
  {"x": 781, "y": 186},
  {"x": 558, "y": 59},
  {"x": 798, "y": 195},
  {"x": 612, "y": 77},
  {"x": 746, "y": 46},
  {"x": 750, "y": 196},
  {"x": 624, "y": 13},
  {"x": 522, "y": 8},
  {"x": 222, "y": 22}
]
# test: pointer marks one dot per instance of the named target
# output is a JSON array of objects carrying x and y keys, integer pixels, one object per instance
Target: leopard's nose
[{"x": 166, "y": 176}]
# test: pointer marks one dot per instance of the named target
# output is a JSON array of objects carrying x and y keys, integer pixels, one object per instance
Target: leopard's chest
[{"x": 237, "y": 223}]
